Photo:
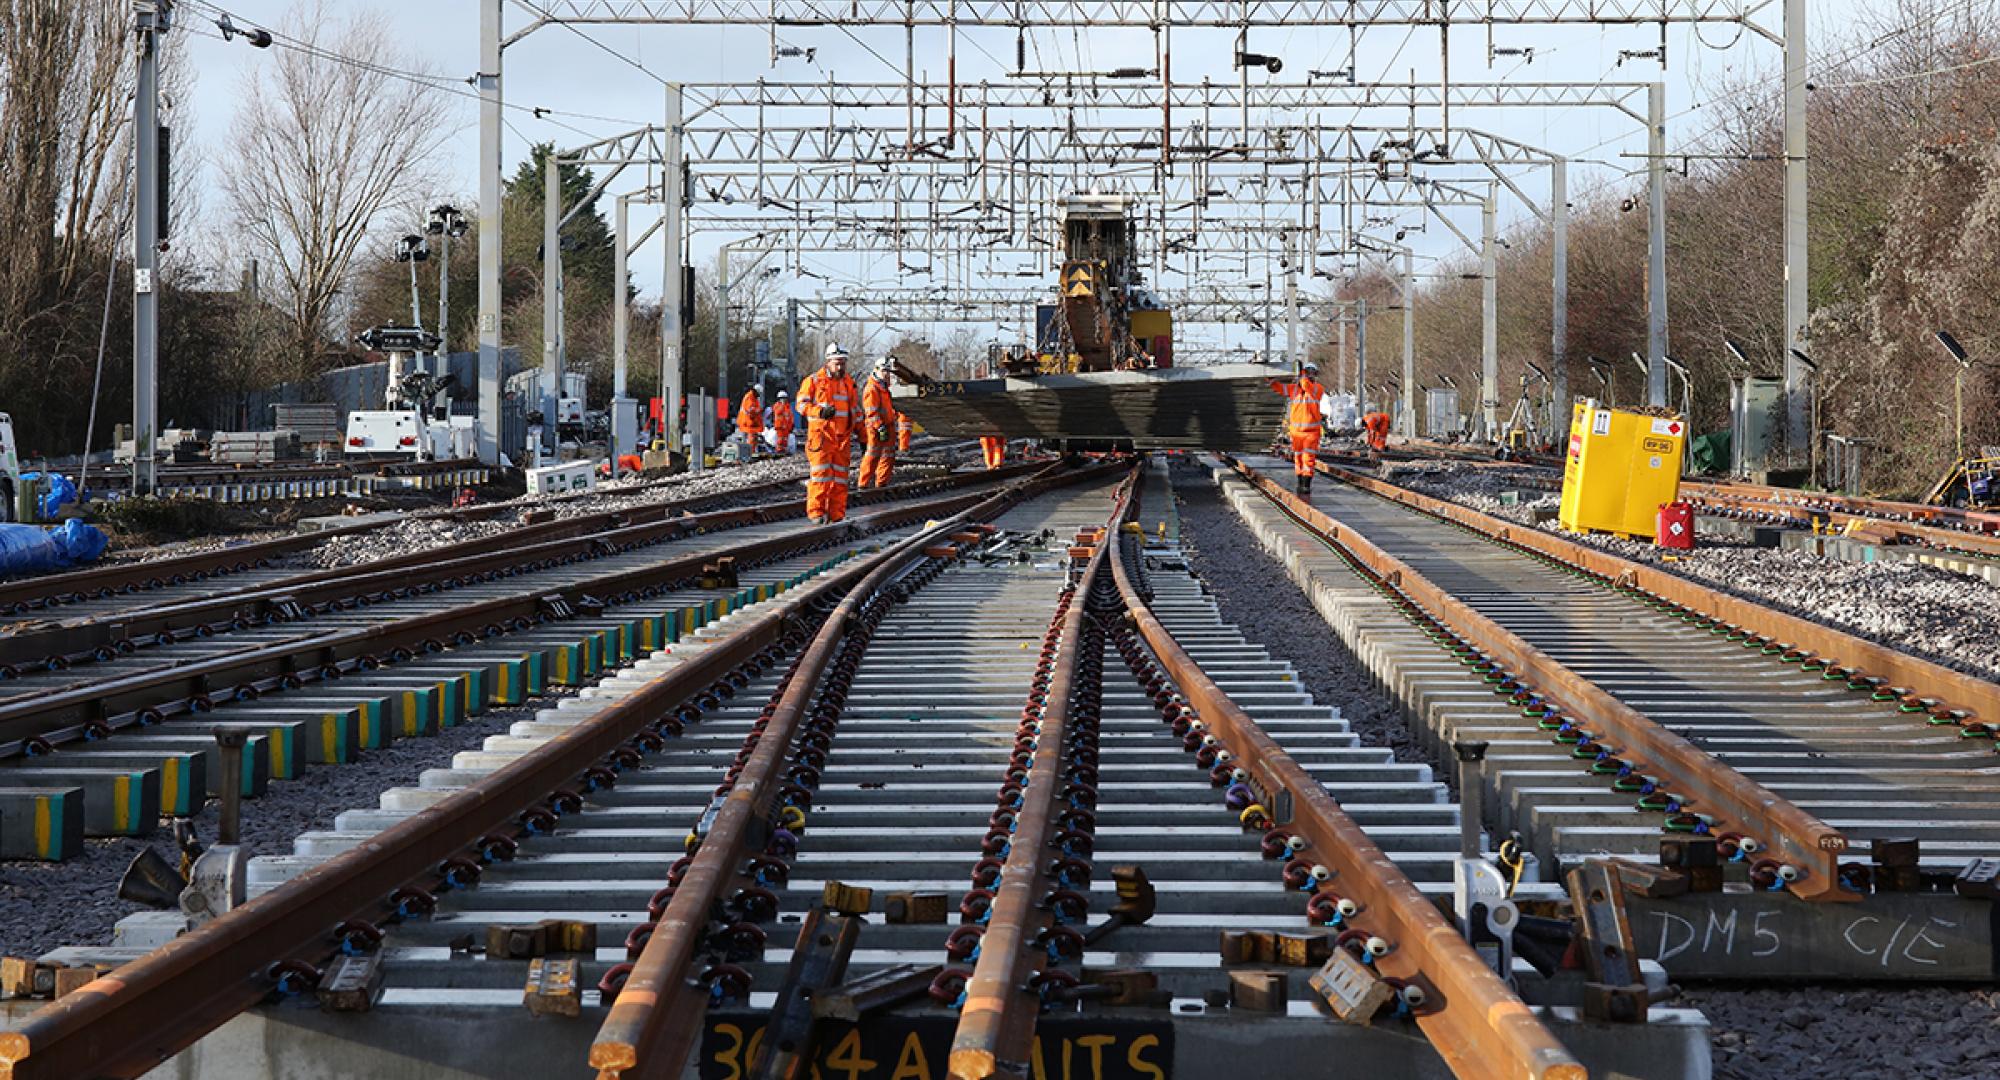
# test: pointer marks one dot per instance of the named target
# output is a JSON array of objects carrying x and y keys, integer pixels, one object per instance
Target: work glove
[
  {"x": 883, "y": 434},
  {"x": 826, "y": 412}
]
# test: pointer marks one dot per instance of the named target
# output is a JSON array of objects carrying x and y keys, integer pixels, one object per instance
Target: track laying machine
[{"x": 1101, "y": 374}]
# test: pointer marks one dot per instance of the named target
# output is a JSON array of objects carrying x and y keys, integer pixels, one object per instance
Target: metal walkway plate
[{"x": 1229, "y": 407}]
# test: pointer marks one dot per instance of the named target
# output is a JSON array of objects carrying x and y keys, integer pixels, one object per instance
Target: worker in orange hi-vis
[
  {"x": 830, "y": 404},
  {"x": 1303, "y": 422},
  {"x": 782, "y": 422},
  {"x": 995, "y": 449},
  {"x": 1376, "y": 424},
  {"x": 906, "y": 429},
  {"x": 750, "y": 420},
  {"x": 878, "y": 425}
]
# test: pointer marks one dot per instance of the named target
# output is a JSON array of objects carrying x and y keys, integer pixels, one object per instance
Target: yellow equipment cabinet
[{"x": 1620, "y": 469}]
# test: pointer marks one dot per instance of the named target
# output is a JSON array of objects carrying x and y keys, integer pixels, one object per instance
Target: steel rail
[
  {"x": 40, "y": 593},
  {"x": 95, "y": 710},
  {"x": 52, "y": 590},
  {"x": 1703, "y": 784},
  {"x": 546, "y": 543},
  {"x": 1934, "y": 689},
  {"x": 996, "y": 1025},
  {"x": 1875, "y": 520},
  {"x": 1473, "y": 1019},
  {"x": 137, "y": 1016},
  {"x": 652, "y": 1026}
]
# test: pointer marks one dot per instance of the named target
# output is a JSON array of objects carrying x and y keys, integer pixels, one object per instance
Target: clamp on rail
[
  {"x": 654, "y": 1023},
  {"x": 1016, "y": 953},
  {"x": 1864, "y": 665},
  {"x": 168, "y": 999},
  {"x": 1805, "y": 849},
  {"x": 1473, "y": 1019}
]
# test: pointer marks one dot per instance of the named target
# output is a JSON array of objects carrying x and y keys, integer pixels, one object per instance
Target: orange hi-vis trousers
[
  {"x": 826, "y": 478},
  {"x": 877, "y": 462},
  {"x": 995, "y": 448},
  {"x": 1305, "y": 451}
]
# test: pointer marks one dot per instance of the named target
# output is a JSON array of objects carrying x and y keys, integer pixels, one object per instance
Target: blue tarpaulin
[{"x": 31, "y": 549}]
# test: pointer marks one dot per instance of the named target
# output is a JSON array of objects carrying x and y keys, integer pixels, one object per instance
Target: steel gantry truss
[
  {"x": 1143, "y": 14},
  {"x": 982, "y": 164}
]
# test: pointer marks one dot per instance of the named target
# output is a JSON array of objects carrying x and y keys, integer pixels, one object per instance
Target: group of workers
[
  {"x": 833, "y": 407},
  {"x": 1305, "y": 423}
]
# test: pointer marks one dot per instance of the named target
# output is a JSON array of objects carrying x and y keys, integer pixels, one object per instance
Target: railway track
[
  {"x": 1625, "y": 706},
  {"x": 175, "y": 579},
  {"x": 940, "y": 768},
  {"x": 1886, "y": 523},
  {"x": 112, "y": 729}
]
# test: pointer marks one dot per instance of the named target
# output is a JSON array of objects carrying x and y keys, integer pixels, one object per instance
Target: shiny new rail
[
  {"x": 1703, "y": 711},
  {"x": 165, "y": 1001}
]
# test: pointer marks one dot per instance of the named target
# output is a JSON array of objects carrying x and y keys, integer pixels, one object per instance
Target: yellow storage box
[{"x": 1621, "y": 467}]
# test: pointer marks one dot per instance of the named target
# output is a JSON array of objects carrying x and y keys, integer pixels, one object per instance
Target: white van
[{"x": 10, "y": 468}]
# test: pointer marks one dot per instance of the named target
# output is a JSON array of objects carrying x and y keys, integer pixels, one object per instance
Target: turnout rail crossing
[
  {"x": 980, "y": 783},
  {"x": 1187, "y": 736}
]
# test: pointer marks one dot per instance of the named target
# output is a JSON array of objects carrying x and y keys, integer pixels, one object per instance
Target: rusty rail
[
  {"x": 1931, "y": 688},
  {"x": 652, "y": 1026},
  {"x": 1473, "y": 1019},
  {"x": 102, "y": 708},
  {"x": 544, "y": 543},
  {"x": 1875, "y": 520},
  {"x": 1795, "y": 838},
  {"x": 996, "y": 1026},
  {"x": 137, "y": 1016}
]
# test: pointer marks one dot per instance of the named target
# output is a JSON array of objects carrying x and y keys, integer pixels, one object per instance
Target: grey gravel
[
  {"x": 1253, "y": 591},
  {"x": 47, "y": 905},
  {"x": 1856, "y": 1032},
  {"x": 424, "y": 534},
  {"x": 1947, "y": 618}
]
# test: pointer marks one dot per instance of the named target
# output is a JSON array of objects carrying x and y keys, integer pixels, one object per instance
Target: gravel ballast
[
  {"x": 47, "y": 905},
  {"x": 1253, "y": 591},
  {"x": 1949, "y": 619},
  {"x": 1758, "y": 1032},
  {"x": 1855, "y": 1032},
  {"x": 424, "y": 534}
]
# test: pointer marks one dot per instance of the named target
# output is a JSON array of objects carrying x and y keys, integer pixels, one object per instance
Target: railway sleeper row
[
  {"x": 1880, "y": 776},
  {"x": 903, "y": 806},
  {"x": 59, "y": 791}
]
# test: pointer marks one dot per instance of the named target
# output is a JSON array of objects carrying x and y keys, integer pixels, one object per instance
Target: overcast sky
[{"x": 556, "y": 68}]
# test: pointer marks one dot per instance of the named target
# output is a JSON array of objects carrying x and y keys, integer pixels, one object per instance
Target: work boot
[{"x": 1305, "y": 486}]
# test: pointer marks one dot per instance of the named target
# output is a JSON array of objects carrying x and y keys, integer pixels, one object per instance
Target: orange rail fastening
[
  {"x": 1805, "y": 849},
  {"x": 1473, "y": 1019}
]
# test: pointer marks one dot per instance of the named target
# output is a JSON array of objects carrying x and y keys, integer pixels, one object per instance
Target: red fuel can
[{"x": 1675, "y": 526}]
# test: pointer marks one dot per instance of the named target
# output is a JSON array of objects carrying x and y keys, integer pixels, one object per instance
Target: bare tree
[
  {"x": 328, "y": 138},
  {"x": 63, "y": 77}
]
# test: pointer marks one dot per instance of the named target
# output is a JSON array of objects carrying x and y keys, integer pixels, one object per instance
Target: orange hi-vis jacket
[
  {"x": 1303, "y": 419},
  {"x": 750, "y": 418},
  {"x": 822, "y": 390},
  {"x": 782, "y": 420},
  {"x": 878, "y": 414}
]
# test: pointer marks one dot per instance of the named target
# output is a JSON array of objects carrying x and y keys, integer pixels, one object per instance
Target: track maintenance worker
[
  {"x": 995, "y": 449},
  {"x": 830, "y": 404},
  {"x": 906, "y": 429},
  {"x": 750, "y": 421},
  {"x": 1376, "y": 424},
  {"x": 878, "y": 426},
  {"x": 783, "y": 420},
  {"x": 1303, "y": 421}
]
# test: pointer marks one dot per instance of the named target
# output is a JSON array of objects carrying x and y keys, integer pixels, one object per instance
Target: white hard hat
[
  {"x": 1309, "y": 366},
  {"x": 835, "y": 351},
  {"x": 781, "y": 393}
]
